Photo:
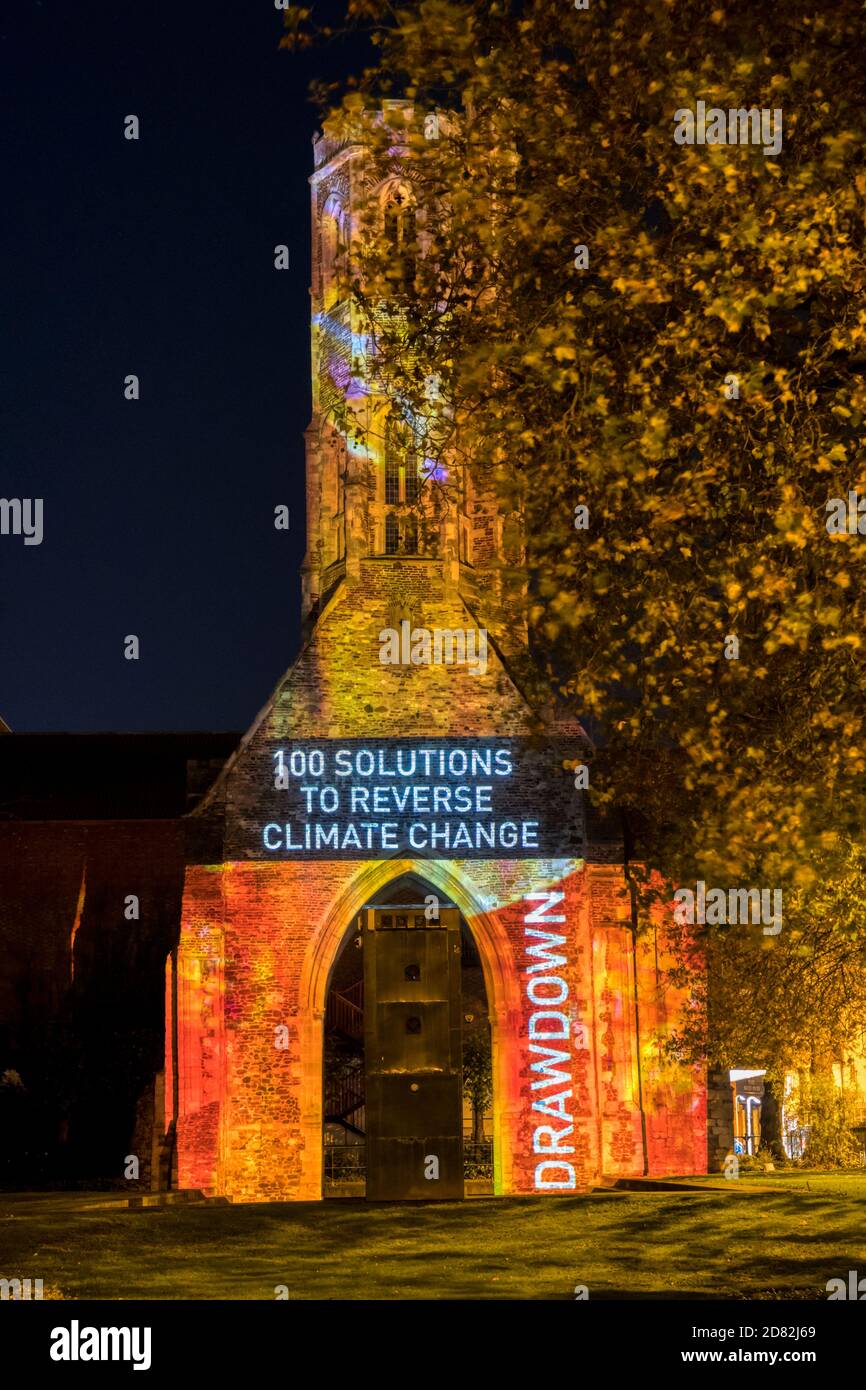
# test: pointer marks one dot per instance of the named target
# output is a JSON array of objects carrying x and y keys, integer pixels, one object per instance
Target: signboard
[{"x": 456, "y": 798}]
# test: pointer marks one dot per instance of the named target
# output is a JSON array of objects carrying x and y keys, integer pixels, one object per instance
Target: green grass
[{"x": 737, "y": 1241}]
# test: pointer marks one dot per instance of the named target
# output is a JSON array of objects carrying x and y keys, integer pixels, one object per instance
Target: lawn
[{"x": 771, "y": 1236}]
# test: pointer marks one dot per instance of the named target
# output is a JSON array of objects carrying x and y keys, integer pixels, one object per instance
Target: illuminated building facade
[{"x": 399, "y": 749}]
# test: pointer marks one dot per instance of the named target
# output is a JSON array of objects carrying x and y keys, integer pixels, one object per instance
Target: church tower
[
  {"x": 397, "y": 801},
  {"x": 380, "y": 496}
]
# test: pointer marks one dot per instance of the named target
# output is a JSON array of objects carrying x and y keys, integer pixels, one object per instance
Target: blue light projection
[{"x": 461, "y": 798}]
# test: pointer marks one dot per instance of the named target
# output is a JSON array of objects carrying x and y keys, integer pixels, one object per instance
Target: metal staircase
[{"x": 344, "y": 1088}]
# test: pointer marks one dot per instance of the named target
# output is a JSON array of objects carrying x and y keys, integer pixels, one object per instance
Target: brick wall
[
  {"x": 259, "y": 934},
  {"x": 81, "y": 1007}
]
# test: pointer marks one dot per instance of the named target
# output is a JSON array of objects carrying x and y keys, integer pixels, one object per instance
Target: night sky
[{"x": 156, "y": 258}]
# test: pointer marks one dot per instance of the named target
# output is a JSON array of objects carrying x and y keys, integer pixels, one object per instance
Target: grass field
[{"x": 771, "y": 1236}]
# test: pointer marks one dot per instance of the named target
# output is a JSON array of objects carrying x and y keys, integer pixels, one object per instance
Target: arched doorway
[{"x": 407, "y": 1052}]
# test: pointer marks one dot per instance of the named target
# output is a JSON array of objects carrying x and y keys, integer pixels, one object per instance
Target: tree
[
  {"x": 478, "y": 1078},
  {"x": 672, "y": 337},
  {"x": 698, "y": 386},
  {"x": 788, "y": 1004}
]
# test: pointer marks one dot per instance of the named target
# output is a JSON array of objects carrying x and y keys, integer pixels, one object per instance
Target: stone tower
[
  {"x": 367, "y": 765},
  {"x": 382, "y": 496}
]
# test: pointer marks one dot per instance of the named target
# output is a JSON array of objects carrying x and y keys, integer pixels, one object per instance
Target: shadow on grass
[{"x": 658, "y": 1245}]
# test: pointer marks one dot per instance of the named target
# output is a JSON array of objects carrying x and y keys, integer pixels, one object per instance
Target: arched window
[
  {"x": 333, "y": 253},
  {"x": 392, "y": 535},
  {"x": 402, "y": 482},
  {"x": 401, "y": 232}
]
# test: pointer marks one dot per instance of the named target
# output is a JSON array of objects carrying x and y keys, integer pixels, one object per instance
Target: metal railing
[
  {"x": 478, "y": 1158},
  {"x": 345, "y": 1010},
  {"x": 348, "y": 1162},
  {"x": 344, "y": 1099},
  {"x": 345, "y": 1163}
]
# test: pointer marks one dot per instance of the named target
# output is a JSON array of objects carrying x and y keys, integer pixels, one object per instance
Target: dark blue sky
[{"x": 154, "y": 258}]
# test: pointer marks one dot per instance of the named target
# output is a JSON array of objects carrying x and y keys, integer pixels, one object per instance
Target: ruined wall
[
  {"x": 257, "y": 945},
  {"x": 81, "y": 1008}
]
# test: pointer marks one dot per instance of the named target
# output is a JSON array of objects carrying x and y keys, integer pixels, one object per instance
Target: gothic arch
[
  {"x": 394, "y": 190},
  {"x": 501, "y": 982},
  {"x": 332, "y": 259},
  {"x": 398, "y": 212},
  {"x": 494, "y": 948}
]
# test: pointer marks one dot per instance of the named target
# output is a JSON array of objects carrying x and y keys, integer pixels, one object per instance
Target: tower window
[
  {"x": 333, "y": 253},
  {"x": 410, "y": 484},
  {"x": 400, "y": 233},
  {"x": 392, "y": 463},
  {"x": 401, "y": 534},
  {"x": 402, "y": 483}
]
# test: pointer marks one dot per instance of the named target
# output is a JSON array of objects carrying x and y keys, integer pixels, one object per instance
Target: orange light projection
[{"x": 582, "y": 1087}]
